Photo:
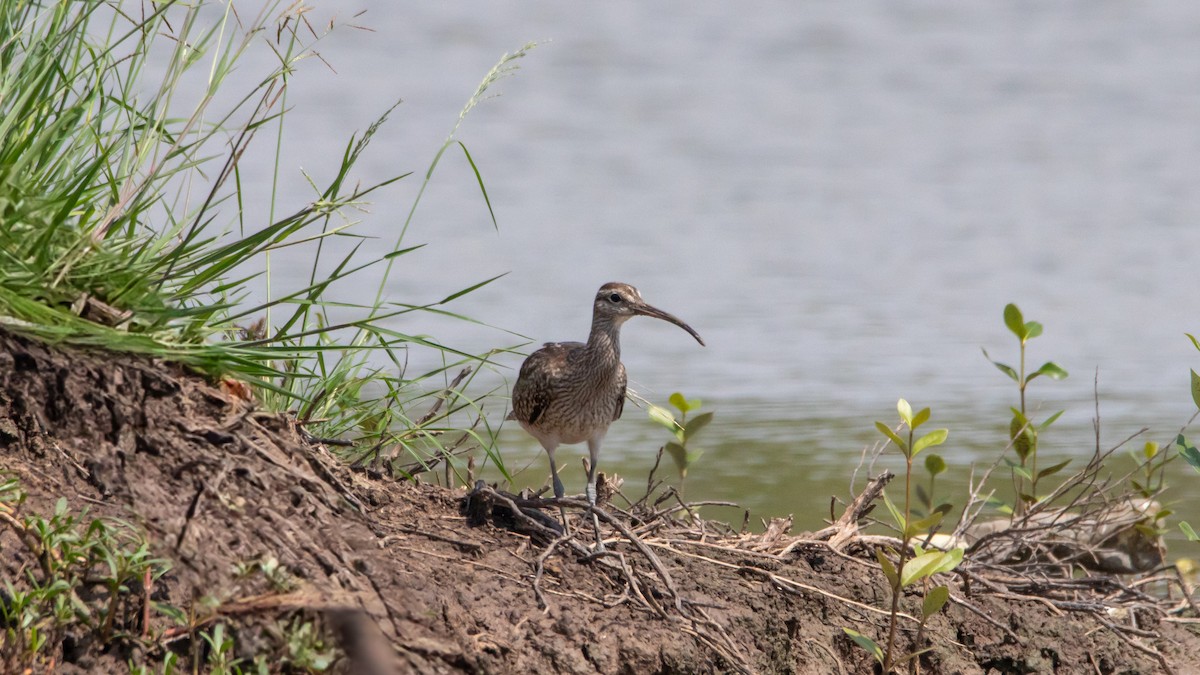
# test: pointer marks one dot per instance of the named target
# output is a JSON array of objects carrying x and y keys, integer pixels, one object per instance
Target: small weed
[
  {"x": 683, "y": 430},
  {"x": 901, "y": 570},
  {"x": 220, "y": 651},
  {"x": 103, "y": 560},
  {"x": 306, "y": 647},
  {"x": 280, "y": 579},
  {"x": 1023, "y": 432}
]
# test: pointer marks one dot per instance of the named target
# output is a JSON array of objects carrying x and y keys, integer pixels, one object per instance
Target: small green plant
[
  {"x": 306, "y": 647},
  {"x": 1023, "y": 432},
  {"x": 901, "y": 569},
  {"x": 103, "y": 560},
  {"x": 275, "y": 573},
  {"x": 683, "y": 429},
  {"x": 220, "y": 651}
]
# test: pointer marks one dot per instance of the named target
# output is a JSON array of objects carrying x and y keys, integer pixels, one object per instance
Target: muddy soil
[{"x": 393, "y": 574}]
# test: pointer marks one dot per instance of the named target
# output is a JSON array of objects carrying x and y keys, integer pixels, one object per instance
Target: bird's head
[{"x": 618, "y": 302}]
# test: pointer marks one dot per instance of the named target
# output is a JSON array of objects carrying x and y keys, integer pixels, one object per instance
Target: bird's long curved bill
[{"x": 648, "y": 310}]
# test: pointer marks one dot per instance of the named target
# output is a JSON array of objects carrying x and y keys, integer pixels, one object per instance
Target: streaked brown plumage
[{"x": 570, "y": 392}]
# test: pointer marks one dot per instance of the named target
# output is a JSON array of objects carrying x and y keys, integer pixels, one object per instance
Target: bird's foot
[
  {"x": 562, "y": 511},
  {"x": 599, "y": 537}
]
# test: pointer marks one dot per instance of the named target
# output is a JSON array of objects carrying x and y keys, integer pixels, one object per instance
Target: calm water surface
[{"x": 841, "y": 201}]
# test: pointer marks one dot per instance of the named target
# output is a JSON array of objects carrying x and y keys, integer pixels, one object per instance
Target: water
[{"x": 840, "y": 200}]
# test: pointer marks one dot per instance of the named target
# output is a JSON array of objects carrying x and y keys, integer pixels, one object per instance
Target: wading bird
[{"x": 569, "y": 392}]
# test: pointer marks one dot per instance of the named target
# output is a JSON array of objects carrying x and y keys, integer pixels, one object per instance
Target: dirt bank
[{"x": 392, "y": 578}]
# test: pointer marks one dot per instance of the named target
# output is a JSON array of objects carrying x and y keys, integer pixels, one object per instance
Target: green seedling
[
  {"x": 1153, "y": 464},
  {"x": 220, "y": 651},
  {"x": 306, "y": 647},
  {"x": 902, "y": 570},
  {"x": 683, "y": 429},
  {"x": 1023, "y": 432},
  {"x": 102, "y": 560}
]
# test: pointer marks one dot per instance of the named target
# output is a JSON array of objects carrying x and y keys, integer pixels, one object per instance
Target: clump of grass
[{"x": 123, "y": 223}]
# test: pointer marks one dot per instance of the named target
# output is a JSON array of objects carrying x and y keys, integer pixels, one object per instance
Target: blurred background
[{"x": 840, "y": 199}]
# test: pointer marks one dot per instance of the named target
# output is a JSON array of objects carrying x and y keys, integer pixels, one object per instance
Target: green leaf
[
  {"x": 1032, "y": 329},
  {"x": 920, "y": 567},
  {"x": 935, "y": 437},
  {"x": 679, "y": 454},
  {"x": 1051, "y": 470},
  {"x": 1139, "y": 488},
  {"x": 1188, "y": 531},
  {"x": 679, "y": 402},
  {"x": 1191, "y": 454},
  {"x": 934, "y": 600},
  {"x": 1049, "y": 369},
  {"x": 923, "y": 525},
  {"x": 922, "y": 495},
  {"x": 901, "y": 524},
  {"x": 887, "y": 431},
  {"x": 1050, "y": 420},
  {"x": 889, "y": 570},
  {"x": 696, "y": 424},
  {"x": 1023, "y": 440},
  {"x": 479, "y": 180},
  {"x": 663, "y": 417},
  {"x": 1196, "y": 389},
  {"x": 921, "y": 417},
  {"x": 1150, "y": 450},
  {"x": 866, "y": 643},
  {"x": 1004, "y": 368},
  {"x": 953, "y": 559},
  {"x": 934, "y": 464},
  {"x": 1018, "y": 469},
  {"x": 1014, "y": 320},
  {"x": 1195, "y": 343},
  {"x": 905, "y": 411}
]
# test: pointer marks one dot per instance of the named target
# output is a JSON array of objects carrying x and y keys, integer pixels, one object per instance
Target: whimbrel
[{"x": 569, "y": 392}]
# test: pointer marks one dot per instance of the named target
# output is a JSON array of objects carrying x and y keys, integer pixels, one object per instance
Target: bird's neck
[{"x": 604, "y": 343}]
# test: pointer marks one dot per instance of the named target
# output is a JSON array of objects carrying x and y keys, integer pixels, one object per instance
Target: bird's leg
[
  {"x": 558, "y": 490},
  {"x": 593, "y": 456}
]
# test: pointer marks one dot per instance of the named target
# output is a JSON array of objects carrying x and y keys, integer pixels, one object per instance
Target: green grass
[{"x": 123, "y": 223}]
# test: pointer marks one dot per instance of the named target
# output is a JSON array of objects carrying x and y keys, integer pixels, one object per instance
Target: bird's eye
[{"x": 615, "y": 297}]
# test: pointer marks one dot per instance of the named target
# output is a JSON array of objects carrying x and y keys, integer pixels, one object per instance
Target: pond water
[{"x": 841, "y": 200}]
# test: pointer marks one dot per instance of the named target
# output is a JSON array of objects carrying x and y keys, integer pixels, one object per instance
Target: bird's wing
[
  {"x": 535, "y": 385},
  {"x": 623, "y": 379}
]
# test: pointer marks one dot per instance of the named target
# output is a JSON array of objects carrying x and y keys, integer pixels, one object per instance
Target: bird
[{"x": 570, "y": 392}]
